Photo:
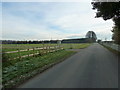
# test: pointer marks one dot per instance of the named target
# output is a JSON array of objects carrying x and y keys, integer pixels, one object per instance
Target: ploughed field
[{"x": 22, "y": 61}]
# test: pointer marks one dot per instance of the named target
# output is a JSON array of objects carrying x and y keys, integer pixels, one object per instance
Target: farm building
[
  {"x": 79, "y": 40},
  {"x": 90, "y": 37}
]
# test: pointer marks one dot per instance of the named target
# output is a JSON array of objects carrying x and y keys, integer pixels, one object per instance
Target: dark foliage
[
  {"x": 109, "y": 10},
  {"x": 28, "y": 42}
]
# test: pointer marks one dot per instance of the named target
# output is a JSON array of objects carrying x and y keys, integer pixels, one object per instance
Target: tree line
[{"x": 28, "y": 42}]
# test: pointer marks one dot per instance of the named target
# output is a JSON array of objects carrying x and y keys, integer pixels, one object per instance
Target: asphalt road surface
[{"x": 93, "y": 67}]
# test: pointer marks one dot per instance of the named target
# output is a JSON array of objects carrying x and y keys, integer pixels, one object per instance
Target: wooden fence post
[
  {"x": 46, "y": 49},
  {"x": 43, "y": 48},
  {"x": 33, "y": 52},
  {"x": 49, "y": 48},
  {"x": 54, "y": 48},
  {"x": 19, "y": 53},
  {"x": 28, "y": 52},
  {"x": 57, "y": 47},
  {"x": 39, "y": 51}
]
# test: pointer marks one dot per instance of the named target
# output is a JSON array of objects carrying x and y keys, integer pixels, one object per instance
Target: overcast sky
[{"x": 51, "y": 20}]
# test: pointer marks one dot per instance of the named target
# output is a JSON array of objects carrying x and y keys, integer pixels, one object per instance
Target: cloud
[
  {"x": 0, "y": 21},
  {"x": 40, "y": 21},
  {"x": 18, "y": 28},
  {"x": 46, "y": 0}
]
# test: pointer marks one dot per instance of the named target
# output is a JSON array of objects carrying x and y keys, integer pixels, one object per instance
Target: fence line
[
  {"x": 112, "y": 45},
  {"x": 29, "y": 49},
  {"x": 45, "y": 50}
]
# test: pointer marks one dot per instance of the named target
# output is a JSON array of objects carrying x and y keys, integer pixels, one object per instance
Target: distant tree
[{"x": 109, "y": 10}]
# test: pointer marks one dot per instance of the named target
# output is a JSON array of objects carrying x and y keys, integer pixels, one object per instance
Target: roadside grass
[
  {"x": 11, "y": 56},
  {"x": 76, "y": 46},
  {"x": 15, "y": 72},
  {"x": 17, "y": 54},
  {"x": 20, "y": 71},
  {"x": 8, "y": 62},
  {"x": 0, "y": 75},
  {"x": 112, "y": 50}
]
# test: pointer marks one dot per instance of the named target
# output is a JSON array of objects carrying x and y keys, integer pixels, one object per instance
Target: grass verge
[
  {"x": 76, "y": 46},
  {"x": 112, "y": 50},
  {"x": 21, "y": 71}
]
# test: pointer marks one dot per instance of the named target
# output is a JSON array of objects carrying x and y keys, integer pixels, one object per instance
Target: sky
[{"x": 51, "y": 20}]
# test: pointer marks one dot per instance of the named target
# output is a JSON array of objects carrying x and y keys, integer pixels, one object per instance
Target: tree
[{"x": 109, "y": 10}]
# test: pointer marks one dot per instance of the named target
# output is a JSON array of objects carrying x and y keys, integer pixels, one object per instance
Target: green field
[
  {"x": 75, "y": 46},
  {"x": 14, "y": 47},
  {"x": 18, "y": 70}
]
